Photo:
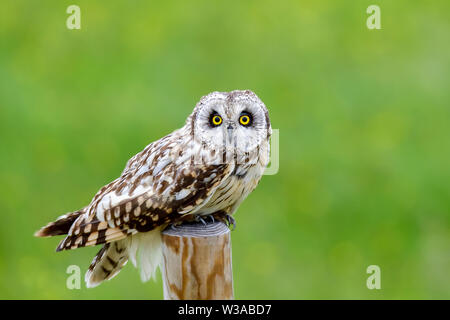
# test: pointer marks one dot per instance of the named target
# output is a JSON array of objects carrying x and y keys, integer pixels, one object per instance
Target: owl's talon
[
  {"x": 231, "y": 221},
  {"x": 200, "y": 219},
  {"x": 212, "y": 218}
]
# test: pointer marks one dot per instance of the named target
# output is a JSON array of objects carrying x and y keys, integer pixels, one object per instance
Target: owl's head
[{"x": 236, "y": 119}]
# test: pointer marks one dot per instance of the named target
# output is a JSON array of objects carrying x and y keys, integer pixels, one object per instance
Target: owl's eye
[
  {"x": 245, "y": 119},
  {"x": 216, "y": 120}
]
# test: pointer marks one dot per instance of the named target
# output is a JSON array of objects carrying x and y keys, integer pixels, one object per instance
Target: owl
[{"x": 203, "y": 170}]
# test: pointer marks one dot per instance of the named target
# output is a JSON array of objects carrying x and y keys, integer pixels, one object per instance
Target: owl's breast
[
  {"x": 233, "y": 190},
  {"x": 246, "y": 173}
]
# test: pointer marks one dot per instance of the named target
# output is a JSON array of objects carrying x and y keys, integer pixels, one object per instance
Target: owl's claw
[
  {"x": 198, "y": 218},
  {"x": 231, "y": 221},
  {"x": 212, "y": 218},
  {"x": 225, "y": 218}
]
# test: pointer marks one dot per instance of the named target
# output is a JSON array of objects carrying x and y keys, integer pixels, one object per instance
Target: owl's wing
[{"x": 148, "y": 196}]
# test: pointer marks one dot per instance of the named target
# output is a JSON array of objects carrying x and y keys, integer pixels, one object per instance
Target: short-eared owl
[{"x": 206, "y": 168}]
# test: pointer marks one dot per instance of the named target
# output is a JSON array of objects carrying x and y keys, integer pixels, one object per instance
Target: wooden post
[{"x": 197, "y": 262}]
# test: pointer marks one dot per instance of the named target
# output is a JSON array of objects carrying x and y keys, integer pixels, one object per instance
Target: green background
[{"x": 363, "y": 116}]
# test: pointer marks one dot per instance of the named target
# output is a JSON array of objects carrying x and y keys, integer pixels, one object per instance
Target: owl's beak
[{"x": 230, "y": 133}]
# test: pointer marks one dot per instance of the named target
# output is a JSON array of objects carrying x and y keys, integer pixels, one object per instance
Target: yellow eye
[
  {"x": 244, "y": 120},
  {"x": 216, "y": 120}
]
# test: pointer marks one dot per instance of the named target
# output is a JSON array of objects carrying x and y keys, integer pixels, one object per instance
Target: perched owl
[{"x": 205, "y": 169}]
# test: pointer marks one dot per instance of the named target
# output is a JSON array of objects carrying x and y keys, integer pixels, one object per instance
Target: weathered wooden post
[{"x": 197, "y": 262}]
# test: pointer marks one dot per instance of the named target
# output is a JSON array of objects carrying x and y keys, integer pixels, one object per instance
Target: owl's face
[{"x": 236, "y": 120}]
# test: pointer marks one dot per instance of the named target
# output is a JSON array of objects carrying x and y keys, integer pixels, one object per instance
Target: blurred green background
[{"x": 363, "y": 116}]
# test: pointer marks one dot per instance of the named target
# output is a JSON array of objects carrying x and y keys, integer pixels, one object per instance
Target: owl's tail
[
  {"x": 114, "y": 255},
  {"x": 107, "y": 263}
]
